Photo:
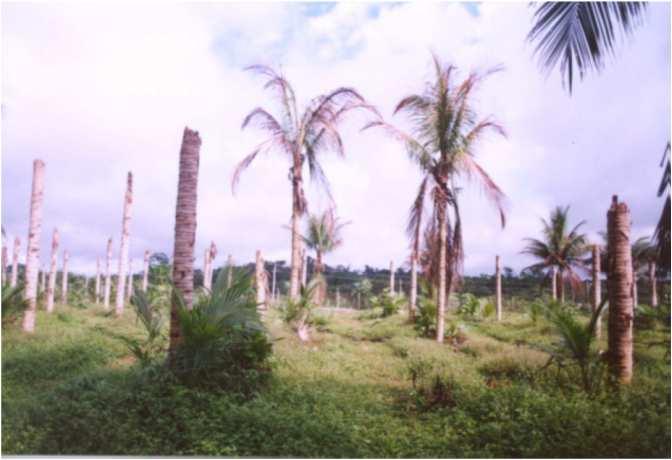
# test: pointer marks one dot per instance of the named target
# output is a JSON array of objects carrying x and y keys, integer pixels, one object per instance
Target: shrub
[
  {"x": 425, "y": 319},
  {"x": 13, "y": 304},
  {"x": 390, "y": 304},
  {"x": 299, "y": 313},
  {"x": 488, "y": 309},
  {"x": 469, "y": 306},
  {"x": 147, "y": 349},
  {"x": 224, "y": 344},
  {"x": 535, "y": 310}
]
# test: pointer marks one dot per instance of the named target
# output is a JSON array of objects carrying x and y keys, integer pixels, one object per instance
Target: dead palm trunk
[
  {"x": 391, "y": 277},
  {"x": 4, "y": 263},
  {"x": 229, "y": 262},
  {"x": 441, "y": 304},
  {"x": 260, "y": 281},
  {"x": 108, "y": 275},
  {"x": 15, "y": 262},
  {"x": 554, "y": 283},
  {"x": 145, "y": 272},
  {"x": 597, "y": 288},
  {"x": 304, "y": 268},
  {"x": 123, "y": 248},
  {"x": 210, "y": 255},
  {"x": 653, "y": 283},
  {"x": 40, "y": 289},
  {"x": 96, "y": 294},
  {"x": 498, "y": 288},
  {"x": 129, "y": 280},
  {"x": 185, "y": 235},
  {"x": 274, "y": 294},
  {"x": 51, "y": 286},
  {"x": 297, "y": 211},
  {"x": 64, "y": 279},
  {"x": 33, "y": 253},
  {"x": 635, "y": 294},
  {"x": 619, "y": 279},
  {"x": 413, "y": 298}
]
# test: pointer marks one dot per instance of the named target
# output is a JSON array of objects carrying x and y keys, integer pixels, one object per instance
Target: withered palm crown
[
  {"x": 445, "y": 130},
  {"x": 581, "y": 34},
  {"x": 559, "y": 247}
]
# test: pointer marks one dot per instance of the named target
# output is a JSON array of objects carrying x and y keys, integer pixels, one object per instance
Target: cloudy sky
[{"x": 96, "y": 90}]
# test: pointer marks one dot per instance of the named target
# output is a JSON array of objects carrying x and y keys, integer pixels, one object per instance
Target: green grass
[{"x": 72, "y": 388}]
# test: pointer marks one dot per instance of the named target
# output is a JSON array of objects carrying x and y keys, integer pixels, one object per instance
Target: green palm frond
[{"x": 579, "y": 35}]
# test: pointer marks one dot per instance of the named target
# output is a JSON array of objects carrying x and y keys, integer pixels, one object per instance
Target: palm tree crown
[{"x": 323, "y": 233}]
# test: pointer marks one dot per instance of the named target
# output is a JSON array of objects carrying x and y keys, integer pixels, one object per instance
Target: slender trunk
[
  {"x": 498, "y": 288},
  {"x": 297, "y": 210},
  {"x": 304, "y": 268},
  {"x": 554, "y": 283},
  {"x": 51, "y": 286},
  {"x": 413, "y": 298},
  {"x": 96, "y": 294},
  {"x": 229, "y": 262},
  {"x": 260, "y": 281},
  {"x": 185, "y": 235},
  {"x": 206, "y": 269},
  {"x": 33, "y": 252},
  {"x": 108, "y": 275},
  {"x": 15, "y": 262},
  {"x": 391, "y": 277},
  {"x": 441, "y": 304},
  {"x": 597, "y": 288},
  {"x": 619, "y": 279},
  {"x": 41, "y": 288},
  {"x": 321, "y": 292},
  {"x": 652, "y": 283},
  {"x": 338, "y": 298},
  {"x": 274, "y": 295},
  {"x": 123, "y": 249},
  {"x": 635, "y": 294},
  {"x": 145, "y": 272},
  {"x": 129, "y": 281},
  {"x": 561, "y": 286},
  {"x": 4, "y": 264},
  {"x": 64, "y": 278}
]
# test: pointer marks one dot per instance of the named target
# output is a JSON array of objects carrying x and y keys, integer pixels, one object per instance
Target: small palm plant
[
  {"x": 389, "y": 303},
  {"x": 224, "y": 343},
  {"x": 13, "y": 304},
  {"x": 146, "y": 350},
  {"x": 577, "y": 342},
  {"x": 298, "y": 313}
]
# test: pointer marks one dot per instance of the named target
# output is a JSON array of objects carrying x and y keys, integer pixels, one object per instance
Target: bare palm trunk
[
  {"x": 41, "y": 288},
  {"x": 619, "y": 279},
  {"x": 15, "y": 262},
  {"x": 338, "y": 298},
  {"x": 561, "y": 286},
  {"x": 211, "y": 253},
  {"x": 597, "y": 288},
  {"x": 297, "y": 210},
  {"x": 274, "y": 294},
  {"x": 321, "y": 291},
  {"x": 51, "y": 286},
  {"x": 145, "y": 272},
  {"x": 635, "y": 294},
  {"x": 123, "y": 249},
  {"x": 653, "y": 284},
  {"x": 498, "y": 288},
  {"x": 4, "y": 263},
  {"x": 64, "y": 279},
  {"x": 229, "y": 262},
  {"x": 391, "y": 287},
  {"x": 108, "y": 275},
  {"x": 96, "y": 294},
  {"x": 441, "y": 304},
  {"x": 33, "y": 252},
  {"x": 554, "y": 283},
  {"x": 304, "y": 268},
  {"x": 129, "y": 281},
  {"x": 260, "y": 281},
  {"x": 206, "y": 269},
  {"x": 413, "y": 298},
  {"x": 185, "y": 235}
]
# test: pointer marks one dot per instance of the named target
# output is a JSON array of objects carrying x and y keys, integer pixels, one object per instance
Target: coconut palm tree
[
  {"x": 662, "y": 233},
  {"x": 323, "y": 235},
  {"x": 445, "y": 129},
  {"x": 185, "y": 235},
  {"x": 581, "y": 34},
  {"x": 643, "y": 253},
  {"x": 559, "y": 250},
  {"x": 301, "y": 137}
]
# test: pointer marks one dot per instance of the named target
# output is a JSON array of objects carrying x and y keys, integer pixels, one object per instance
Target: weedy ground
[{"x": 364, "y": 387}]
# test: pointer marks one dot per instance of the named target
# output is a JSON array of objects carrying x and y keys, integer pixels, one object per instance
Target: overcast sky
[{"x": 98, "y": 90}]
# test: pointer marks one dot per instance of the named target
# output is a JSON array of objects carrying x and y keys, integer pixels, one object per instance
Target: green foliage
[
  {"x": 425, "y": 319},
  {"x": 300, "y": 311},
  {"x": 152, "y": 345},
  {"x": 224, "y": 344},
  {"x": 13, "y": 304},
  {"x": 651, "y": 315},
  {"x": 488, "y": 309},
  {"x": 390, "y": 304},
  {"x": 469, "y": 306},
  {"x": 535, "y": 310}
]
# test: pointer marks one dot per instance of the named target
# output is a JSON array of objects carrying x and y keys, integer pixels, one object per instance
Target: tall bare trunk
[
  {"x": 274, "y": 293},
  {"x": 338, "y": 298},
  {"x": 304, "y": 268},
  {"x": 391, "y": 277},
  {"x": 554, "y": 283},
  {"x": 297, "y": 211},
  {"x": 96, "y": 294},
  {"x": 635, "y": 294},
  {"x": 41, "y": 288},
  {"x": 53, "y": 269},
  {"x": 123, "y": 249},
  {"x": 108, "y": 274},
  {"x": 33, "y": 252},
  {"x": 597, "y": 288},
  {"x": 185, "y": 234},
  {"x": 129, "y": 281},
  {"x": 145, "y": 272},
  {"x": 260, "y": 281},
  {"x": 15, "y": 262},
  {"x": 64, "y": 278},
  {"x": 321, "y": 290},
  {"x": 441, "y": 304},
  {"x": 653, "y": 283},
  {"x": 413, "y": 298},
  {"x": 4, "y": 263},
  {"x": 619, "y": 279},
  {"x": 561, "y": 286},
  {"x": 206, "y": 263},
  {"x": 211, "y": 253},
  {"x": 229, "y": 263},
  {"x": 498, "y": 288}
]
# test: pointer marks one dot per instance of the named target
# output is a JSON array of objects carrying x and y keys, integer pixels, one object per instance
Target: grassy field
[{"x": 73, "y": 388}]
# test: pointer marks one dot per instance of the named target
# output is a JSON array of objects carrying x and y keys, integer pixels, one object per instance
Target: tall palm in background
[
  {"x": 301, "y": 137},
  {"x": 579, "y": 35},
  {"x": 662, "y": 233},
  {"x": 643, "y": 253},
  {"x": 323, "y": 235},
  {"x": 560, "y": 249},
  {"x": 445, "y": 128}
]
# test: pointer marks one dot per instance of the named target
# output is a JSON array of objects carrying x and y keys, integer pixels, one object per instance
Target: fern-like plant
[
  {"x": 147, "y": 349},
  {"x": 299, "y": 313}
]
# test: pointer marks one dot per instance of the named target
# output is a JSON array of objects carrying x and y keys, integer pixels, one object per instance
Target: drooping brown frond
[{"x": 240, "y": 167}]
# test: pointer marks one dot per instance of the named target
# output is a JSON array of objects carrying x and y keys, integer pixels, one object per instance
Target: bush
[
  {"x": 488, "y": 309},
  {"x": 224, "y": 344},
  {"x": 13, "y": 304},
  {"x": 425, "y": 319},
  {"x": 150, "y": 347},
  {"x": 390, "y": 304},
  {"x": 469, "y": 306}
]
